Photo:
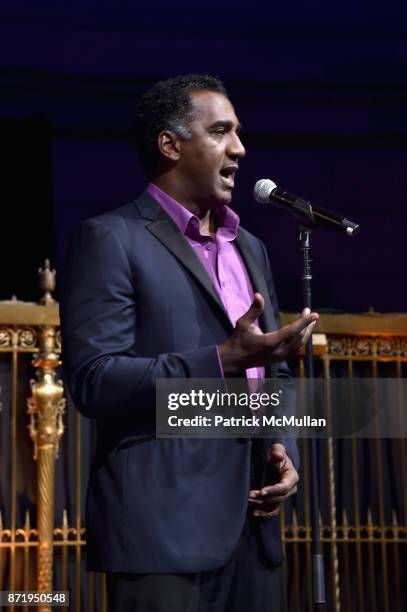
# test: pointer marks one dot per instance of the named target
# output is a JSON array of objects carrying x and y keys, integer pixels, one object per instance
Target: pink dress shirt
[{"x": 218, "y": 255}]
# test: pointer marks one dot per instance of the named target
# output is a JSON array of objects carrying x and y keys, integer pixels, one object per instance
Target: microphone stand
[{"x": 319, "y": 598}]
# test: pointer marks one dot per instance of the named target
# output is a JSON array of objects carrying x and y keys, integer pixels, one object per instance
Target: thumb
[
  {"x": 276, "y": 453},
  {"x": 255, "y": 310}
]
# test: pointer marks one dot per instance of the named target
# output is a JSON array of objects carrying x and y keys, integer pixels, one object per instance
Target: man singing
[{"x": 169, "y": 286}]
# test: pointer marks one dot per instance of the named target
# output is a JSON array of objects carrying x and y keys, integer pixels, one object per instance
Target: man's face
[{"x": 209, "y": 160}]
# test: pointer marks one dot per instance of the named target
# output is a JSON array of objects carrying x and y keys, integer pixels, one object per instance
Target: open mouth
[{"x": 228, "y": 176}]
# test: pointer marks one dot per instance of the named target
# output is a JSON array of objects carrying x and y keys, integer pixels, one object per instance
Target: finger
[
  {"x": 254, "y": 311},
  {"x": 278, "y": 349},
  {"x": 305, "y": 331},
  {"x": 295, "y": 343},
  {"x": 263, "y": 514},
  {"x": 288, "y": 340},
  {"x": 277, "y": 452},
  {"x": 256, "y": 502},
  {"x": 253, "y": 494},
  {"x": 308, "y": 332},
  {"x": 282, "y": 500},
  {"x": 287, "y": 348},
  {"x": 290, "y": 331},
  {"x": 288, "y": 479},
  {"x": 305, "y": 318},
  {"x": 277, "y": 460},
  {"x": 271, "y": 502},
  {"x": 268, "y": 504},
  {"x": 274, "y": 500},
  {"x": 282, "y": 488}
]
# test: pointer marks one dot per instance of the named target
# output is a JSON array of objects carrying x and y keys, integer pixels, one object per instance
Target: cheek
[
  {"x": 202, "y": 164},
  {"x": 212, "y": 161},
  {"x": 205, "y": 167}
]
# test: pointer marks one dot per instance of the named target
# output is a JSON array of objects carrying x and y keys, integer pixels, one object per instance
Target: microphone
[{"x": 266, "y": 191}]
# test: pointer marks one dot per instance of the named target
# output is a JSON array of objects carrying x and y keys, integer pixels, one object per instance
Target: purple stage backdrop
[{"x": 321, "y": 96}]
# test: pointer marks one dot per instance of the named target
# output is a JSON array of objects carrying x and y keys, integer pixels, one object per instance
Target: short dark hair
[{"x": 168, "y": 106}]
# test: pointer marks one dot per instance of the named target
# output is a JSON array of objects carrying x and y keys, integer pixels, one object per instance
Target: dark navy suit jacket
[{"x": 137, "y": 304}]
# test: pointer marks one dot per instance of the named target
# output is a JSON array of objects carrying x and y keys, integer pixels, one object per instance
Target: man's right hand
[{"x": 249, "y": 347}]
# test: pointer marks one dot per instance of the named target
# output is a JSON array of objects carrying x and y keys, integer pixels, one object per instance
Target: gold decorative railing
[
  {"x": 365, "y": 555},
  {"x": 45, "y": 450}
]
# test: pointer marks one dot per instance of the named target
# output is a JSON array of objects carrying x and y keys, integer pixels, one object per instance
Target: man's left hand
[{"x": 267, "y": 501}]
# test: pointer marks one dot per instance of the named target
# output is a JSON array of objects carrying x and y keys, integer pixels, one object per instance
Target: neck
[
  {"x": 175, "y": 191},
  {"x": 207, "y": 225}
]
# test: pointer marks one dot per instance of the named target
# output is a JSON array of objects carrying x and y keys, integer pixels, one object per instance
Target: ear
[{"x": 169, "y": 145}]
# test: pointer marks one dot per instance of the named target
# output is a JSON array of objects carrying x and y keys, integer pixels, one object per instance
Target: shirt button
[{"x": 209, "y": 246}]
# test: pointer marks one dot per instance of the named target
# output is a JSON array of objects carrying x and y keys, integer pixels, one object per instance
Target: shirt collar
[{"x": 227, "y": 221}]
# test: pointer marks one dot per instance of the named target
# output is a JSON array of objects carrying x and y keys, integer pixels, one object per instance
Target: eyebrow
[{"x": 227, "y": 124}]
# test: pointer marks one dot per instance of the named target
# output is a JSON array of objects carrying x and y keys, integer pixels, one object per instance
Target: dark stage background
[{"x": 320, "y": 90}]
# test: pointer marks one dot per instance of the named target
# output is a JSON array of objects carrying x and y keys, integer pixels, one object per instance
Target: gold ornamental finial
[
  {"x": 47, "y": 282},
  {"x": 46, "y": 405}
]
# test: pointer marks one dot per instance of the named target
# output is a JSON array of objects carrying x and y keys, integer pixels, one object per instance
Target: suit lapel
[
  {"x": 166, "y": 231},
  {"x": 267, "y": 320}
]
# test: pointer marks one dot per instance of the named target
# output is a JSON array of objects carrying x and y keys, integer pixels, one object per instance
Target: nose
[{"x": 236, "y": 148}]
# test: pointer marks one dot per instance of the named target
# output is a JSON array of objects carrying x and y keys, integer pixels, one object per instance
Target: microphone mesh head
[{"x": 263, "y": 189}]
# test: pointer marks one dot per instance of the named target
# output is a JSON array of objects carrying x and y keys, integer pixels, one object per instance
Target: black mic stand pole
[{"x": 317, "y": 559}]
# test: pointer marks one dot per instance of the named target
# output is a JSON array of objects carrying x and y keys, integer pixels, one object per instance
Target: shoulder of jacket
[{"x": 116, "y": 215}]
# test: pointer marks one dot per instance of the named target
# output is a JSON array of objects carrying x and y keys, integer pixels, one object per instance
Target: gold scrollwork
[
  {"x": 5, "y": 337},
  {"x": 16, "y": 337},
  {"x": 337, "y": 347},
  {"x": 27, "y": 338},
  {"x": 367, "y": 346},
  {"x": 387, "y": 347},
  {"x": 362, "y": 347}
]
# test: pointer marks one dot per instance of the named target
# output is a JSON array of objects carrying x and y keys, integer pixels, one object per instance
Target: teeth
[{"x": 229, "y": 180}]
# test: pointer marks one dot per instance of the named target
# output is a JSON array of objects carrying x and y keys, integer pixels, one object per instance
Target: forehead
[{"x": 211, "y": 107}]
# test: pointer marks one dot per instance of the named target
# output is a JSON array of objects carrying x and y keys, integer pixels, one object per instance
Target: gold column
[{"x": 46, "y": 407}]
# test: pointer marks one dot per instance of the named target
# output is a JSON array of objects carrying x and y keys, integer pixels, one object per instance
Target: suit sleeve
[
  {"x": 283, "y": 370},
  {"x": 98, "y": 323}
]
